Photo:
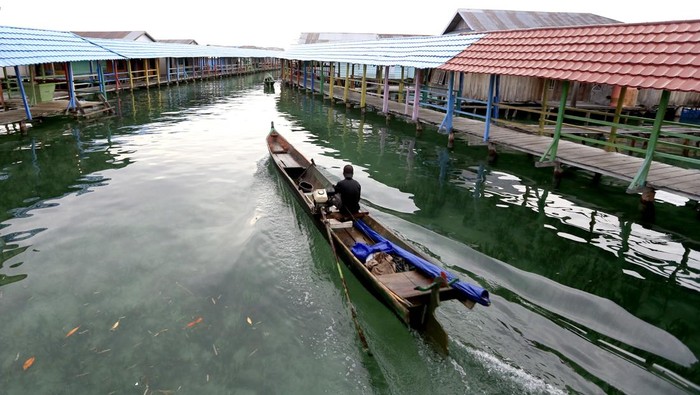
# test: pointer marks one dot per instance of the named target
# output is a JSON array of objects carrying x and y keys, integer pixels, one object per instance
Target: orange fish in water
[
  {"x": 195, "y": 322},
  {"x": 28, "y": 363},
  {"x": 72, "y": 331}
]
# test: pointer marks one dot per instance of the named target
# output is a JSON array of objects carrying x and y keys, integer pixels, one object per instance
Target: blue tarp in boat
[{"x": 362, "y": 250}]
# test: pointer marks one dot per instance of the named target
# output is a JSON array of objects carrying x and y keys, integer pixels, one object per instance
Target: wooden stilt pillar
[
  {"x": 647, "y": 204},
  {"x": 493, "y": 154},
  {"x": 558, "y": 173},
  {"x": 419, "y": 129},
  {"x": 451, "y": 139}
]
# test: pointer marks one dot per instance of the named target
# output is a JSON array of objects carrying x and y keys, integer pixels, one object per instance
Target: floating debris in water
[
  {"x": 195, "y": 322},
  {"x": 72, "y": 331},
  {"x": 28, "y": 363}
]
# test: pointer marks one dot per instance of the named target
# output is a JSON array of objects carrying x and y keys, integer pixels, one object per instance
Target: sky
[{"x": 275, "y": 23}]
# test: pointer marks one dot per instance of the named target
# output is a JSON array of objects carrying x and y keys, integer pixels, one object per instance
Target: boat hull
[{"x": 397, "y": 290}]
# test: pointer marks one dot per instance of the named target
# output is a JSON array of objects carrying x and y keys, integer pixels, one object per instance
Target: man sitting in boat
[{"x": 347, "y": 193}]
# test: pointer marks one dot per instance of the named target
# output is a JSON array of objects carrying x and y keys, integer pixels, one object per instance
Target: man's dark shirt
[{"x": 349, "y": 191}]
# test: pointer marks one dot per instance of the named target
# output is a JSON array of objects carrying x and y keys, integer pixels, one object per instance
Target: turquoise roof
[
  {"x": 420, "y": 51},
  {"x": 23, "y": 46}
]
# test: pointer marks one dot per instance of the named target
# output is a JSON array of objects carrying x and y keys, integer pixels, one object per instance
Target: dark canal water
[{"x": 164, "y": 235}]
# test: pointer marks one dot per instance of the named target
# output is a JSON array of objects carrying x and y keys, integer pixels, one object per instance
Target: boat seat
[{"x": 277, "y": 148}]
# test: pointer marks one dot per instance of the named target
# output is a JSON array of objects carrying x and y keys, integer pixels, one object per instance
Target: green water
[{"x": 135, "y": 226}]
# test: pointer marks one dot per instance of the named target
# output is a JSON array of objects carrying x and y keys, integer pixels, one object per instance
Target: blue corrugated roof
[
  {"x": 150, "y": 50},
  {"x": 420, "y": 52},
  {"x": 23, "y": 46}
]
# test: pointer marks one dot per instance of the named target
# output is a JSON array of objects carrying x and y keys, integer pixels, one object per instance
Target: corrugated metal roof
[
  {"x": 659, "y": 55},
  {"x": 477, "y": 20},
  {"x": 334, "y": 37},
  {"x": 188, "y": 41},
  {"x": 149, "y": 50},
  {"x": 420, "y": 52},
  {"x": 133, "y": 35},
  {"x": 23, "y": 46}
]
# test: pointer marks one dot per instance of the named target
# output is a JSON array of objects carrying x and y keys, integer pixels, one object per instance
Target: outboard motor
[{"x": 322, "y": 197}]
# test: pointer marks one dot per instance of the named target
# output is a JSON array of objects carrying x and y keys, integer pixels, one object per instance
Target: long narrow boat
[{"x": 403, "y": 278}]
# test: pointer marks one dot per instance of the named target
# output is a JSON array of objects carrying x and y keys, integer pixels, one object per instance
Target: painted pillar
[
  {"x": 330, "y": 88},
  {"x": 496, "y": 96},
  {"x": 616, "y": 118},
  {"x": 385, "y": 103},
  {"x": 363, "y": 94},
  {"x": 2, "y": 98},
  {"x": 401, "y": 87},
  {"x": 416, "y": 90},
  {"x": 460, "y": 91},
  {"x": 313, "y": 77},
  {"x": 489, "y": 106},
  {"x": 177, "y": 71},
  {"x": 322, "y": 80},
  {"x": 147, "y": 72},
  {"x": 23, "y": 93},
  {"x": 89, "y": 65},
  {"x": 131, "y": 75},
  {"x": 299, "y": 72},
  {"x": 378, "y": 80},
  {"x": 2, "y": 95},
  {"x": 158, "y": 71},
  {"x": 101, "y": 79},
  {"x": 446, "y": 125},
  {"x": 282, "y": 71},
  {"x": 640, "y": 179},
  {"x": 72, "y": 100},
  {"x": 306, "y": 73},
  {"x": 117, "y": 83},
  {"x": 552, "y": 150},
  {"x": 347, "y": 83}
]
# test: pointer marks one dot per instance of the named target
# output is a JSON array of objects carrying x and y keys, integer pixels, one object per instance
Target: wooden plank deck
[{"x": 661, "y": 176}]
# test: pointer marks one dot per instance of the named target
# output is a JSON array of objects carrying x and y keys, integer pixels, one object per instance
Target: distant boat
[{"x": 407, "y": 281}]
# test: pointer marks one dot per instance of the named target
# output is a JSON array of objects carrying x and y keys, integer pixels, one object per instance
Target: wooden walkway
[{"x": 661, "y": 176}]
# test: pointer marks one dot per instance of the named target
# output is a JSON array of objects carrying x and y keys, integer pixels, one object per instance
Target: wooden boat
[{"x": 411, "y": 292}]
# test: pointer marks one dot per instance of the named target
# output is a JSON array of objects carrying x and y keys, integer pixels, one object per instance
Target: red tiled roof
[{"x": 655, "y": 55}]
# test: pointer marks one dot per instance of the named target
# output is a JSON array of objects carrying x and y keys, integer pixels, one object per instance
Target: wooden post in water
[
  {"x": 322, "y": 80},
  {"x": 616, "y": 118},
  {"x": 552, "y": 150},
  {"x": 131, "y": 75},
  {"x": 416, "y": 92},
  {"x": 347, "y": 84},
  {"x": 147, "y": 72},
  {"x": 363, "y": 93},
  {"x": 401, "y": 87},
  {"x": 332, "y": 83},
  {"x": 385, "y": 102},
  {"x": 640, "y": 179},
  {"x": 158, "y": 71},
  {"x": 115, "y": 69},
  {"x": 647, "y": 204}
]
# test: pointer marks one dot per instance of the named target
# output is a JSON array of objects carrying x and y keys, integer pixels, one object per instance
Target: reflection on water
[
  {"x": 170, "y": 212},
  {"x": 632, "y": 288}
]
